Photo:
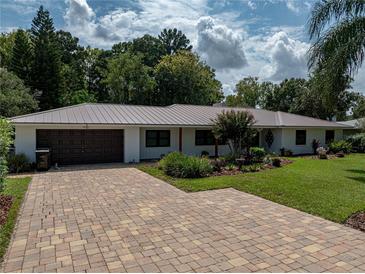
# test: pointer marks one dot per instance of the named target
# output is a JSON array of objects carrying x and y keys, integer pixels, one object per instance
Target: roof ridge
[
  {"x": 278, "y": 115},
  {"x": 48, "y": 110}
]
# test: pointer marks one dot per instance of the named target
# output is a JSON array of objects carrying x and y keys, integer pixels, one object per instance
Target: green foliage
[
  {"x": 46, "y": 67},
  {"x": 257, "y": 153},
  {"x": 338, "y": 28},
  {"x": 150, "y": 48},
  {"x": 357, "y": 142},
  {"x": 283, "y": 97},
  {"x": 183, "y": 79},
  {"x": 6, "y": 46},
  {"x": 247, "y": 93},
  {"x": 235, "y": 127},
  {"x": 21, "y": 56},
  {"x": 358, "y": 110},
  {"x": 128, "y": 80},
  {"x": 174, "y": 40},
  {"x": 18, "y": 163},
  {"x": 252, "y": 168},
  {"x": 218, "y": 163},
  {"x": 340, "y": 146},
  {"x": 178, "y": 165},
  {"x": 78, "y": 97},
  {"x": 97, "y": 65},
  {"x": 6, "y": 132},
  {"x": 15, "y": 98}
]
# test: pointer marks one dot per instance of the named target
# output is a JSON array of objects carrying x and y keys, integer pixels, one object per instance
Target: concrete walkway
[{"x": 120, "y": 219}]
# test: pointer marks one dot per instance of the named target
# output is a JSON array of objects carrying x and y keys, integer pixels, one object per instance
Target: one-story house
[
  {"x": 355, "y": 126},
  {"x": 97, "y": 133}
]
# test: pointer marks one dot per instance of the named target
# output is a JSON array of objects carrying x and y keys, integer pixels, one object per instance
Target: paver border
[{"x": 6, "y": 256}]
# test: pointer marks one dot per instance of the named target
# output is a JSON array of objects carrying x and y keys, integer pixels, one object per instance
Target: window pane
[
  {"x": 151, "y": 138},
  {"x": 164, "y": 134},
  {"x": 301, "y": 136},
  {"x": 164, "y": 142},
  {"x": 330, "y": 136},
  {"x": 204, "y": 138}
]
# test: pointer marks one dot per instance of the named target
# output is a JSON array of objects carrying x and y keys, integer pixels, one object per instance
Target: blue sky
[{"x": 238, "y": 38}]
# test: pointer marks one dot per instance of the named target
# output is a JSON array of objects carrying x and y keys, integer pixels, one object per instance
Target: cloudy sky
[{"x": 238, "y": 38}]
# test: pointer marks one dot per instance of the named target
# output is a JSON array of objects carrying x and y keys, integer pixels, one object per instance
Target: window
[
  {"x": 330, "y": 136},
  {"x": 157, "y": 138},
  {"x": 300, "y": 137},
  {"x": 204, "y": 138}
]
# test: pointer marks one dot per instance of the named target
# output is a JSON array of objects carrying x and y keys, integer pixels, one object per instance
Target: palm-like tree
[{"x": 338, "y": 28}]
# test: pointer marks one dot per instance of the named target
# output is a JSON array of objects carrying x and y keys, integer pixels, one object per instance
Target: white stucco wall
[
  {"x": 25, "y": 141},
  {"x": 288, "y": 139},
  {"x": 131, "y": 145},
  {"x": 135, "y": 141},
  {"x": 277, "y": 141}
]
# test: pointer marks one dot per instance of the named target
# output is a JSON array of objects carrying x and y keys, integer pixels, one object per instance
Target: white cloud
[
  {"x": 359, "y": 80},
  {"x": 251, "y": 5},
  {"x": 287, "y": 57},
  {"x": 293, "y": 5},
  {"x": 220, "y": 46},
  {"x": 123, "y": 24}
]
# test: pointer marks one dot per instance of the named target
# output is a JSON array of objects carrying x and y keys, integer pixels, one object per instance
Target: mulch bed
[
  {"x": 236, "y": 171},
  {"x": 5, "y": 204},
  {"x": 357, "y": 221}
]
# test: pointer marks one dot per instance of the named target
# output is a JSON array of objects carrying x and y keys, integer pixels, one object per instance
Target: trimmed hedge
[{"x": 178, "y": 165}]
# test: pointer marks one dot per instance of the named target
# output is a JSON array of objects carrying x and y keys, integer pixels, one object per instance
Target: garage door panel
[{"x": 82, "y": 146}]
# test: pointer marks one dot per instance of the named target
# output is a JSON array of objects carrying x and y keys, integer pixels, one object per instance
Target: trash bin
[{"x": 43, "y": 157}]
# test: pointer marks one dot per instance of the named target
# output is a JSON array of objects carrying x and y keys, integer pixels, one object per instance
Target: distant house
[
  {"x": 97, "y": 133},
  {"x": 355, "y": 126}
]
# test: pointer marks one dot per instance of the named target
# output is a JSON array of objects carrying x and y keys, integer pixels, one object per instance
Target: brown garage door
[{"x": 82, "y": 146}]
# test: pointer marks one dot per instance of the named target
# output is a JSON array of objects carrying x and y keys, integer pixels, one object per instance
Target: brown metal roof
[{"x": 177, "y": 115}]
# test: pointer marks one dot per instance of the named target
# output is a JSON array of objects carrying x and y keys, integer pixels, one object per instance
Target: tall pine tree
[
  {"x": 47, "y": 61},
  {"x": 21, "y": 56}
]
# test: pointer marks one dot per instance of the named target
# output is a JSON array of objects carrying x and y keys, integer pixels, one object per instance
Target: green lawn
[
  {"x": 332, "y": 189},
  {"x": 16, "y": 188}
]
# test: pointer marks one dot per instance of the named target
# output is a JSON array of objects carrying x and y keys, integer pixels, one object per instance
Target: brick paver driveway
[{"x": 124, "y": 220}]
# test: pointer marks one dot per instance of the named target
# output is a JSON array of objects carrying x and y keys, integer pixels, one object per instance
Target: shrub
[
  {"x": 358, "y": 142},
  {"x": 276, "y": 162},
  {"x": 18, "y": 163},
  {"x": 322, "y": 153},
  {"x": 5, "y": 142},
  {"x": 340, "y": 146},
  {"x": 230, "y": 166},
  {"x": 218, "y": 163},
  {"x": 258, "y": 154},
  {"x": 252, "y": 168},
  {"x": 178, "y": 165},
  {"x": 230, "y": 158}
]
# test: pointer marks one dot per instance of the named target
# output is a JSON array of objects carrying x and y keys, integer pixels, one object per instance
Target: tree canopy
[
  {"x": 15, "y": 98},
  {"x": 183, "y": 78}
]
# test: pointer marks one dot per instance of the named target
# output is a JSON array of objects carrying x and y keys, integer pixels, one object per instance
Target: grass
[
  {"x": 16, "y": 188},
  {"x": 332, "y": 189}
]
